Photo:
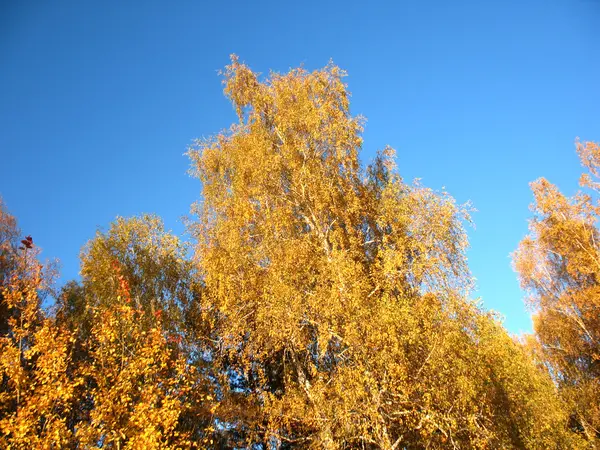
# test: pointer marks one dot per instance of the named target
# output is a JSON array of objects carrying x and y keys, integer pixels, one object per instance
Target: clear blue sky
[{"x": 99, "y": 101}]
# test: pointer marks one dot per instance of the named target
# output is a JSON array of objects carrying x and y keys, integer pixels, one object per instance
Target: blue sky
[{"x": 99, "y": 101}]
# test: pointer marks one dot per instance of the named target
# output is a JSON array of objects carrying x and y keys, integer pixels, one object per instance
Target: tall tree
[
  {"x": 339, "y": 295},
  {"x": 559, "y": 265}
]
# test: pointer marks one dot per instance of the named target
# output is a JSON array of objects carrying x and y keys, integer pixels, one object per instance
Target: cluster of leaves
[{"x": 326, "y": 306}]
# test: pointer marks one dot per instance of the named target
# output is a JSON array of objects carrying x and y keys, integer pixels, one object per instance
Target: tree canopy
[{"x": 320, "y": 304}]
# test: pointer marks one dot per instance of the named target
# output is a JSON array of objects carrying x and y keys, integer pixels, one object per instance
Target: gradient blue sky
[{"x": 99, "y": 101}]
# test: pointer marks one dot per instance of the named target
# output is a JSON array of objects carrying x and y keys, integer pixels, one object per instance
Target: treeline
[{"x": 320, "y": 305}]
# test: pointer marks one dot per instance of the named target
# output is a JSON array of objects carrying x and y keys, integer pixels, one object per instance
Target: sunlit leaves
[
  {"x": 327, "y": 305},
  {"x": 341, "y": 294},
  {"x": 126, "y": 382},
  {"x": 559, "y": 265}
]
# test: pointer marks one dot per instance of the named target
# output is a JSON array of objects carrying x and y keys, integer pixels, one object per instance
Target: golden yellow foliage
[
  {"x": 139, "y": 387},
  {"x": 559, "y": 265},
  {"x": 153, "y": 261},
  {"x": 119, "y": 385},
  {"x": 38, "y": 394},
  {"x": 340, "y": 296},
  {"x": 327, "y": 306}
]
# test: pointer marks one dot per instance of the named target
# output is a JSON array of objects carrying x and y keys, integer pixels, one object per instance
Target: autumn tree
[
  {"x": 161, "y": 280},
  {"x": 137, "y": 316},
  {"x": 559, "y": 265},
  {"x": 339, "y": 295},
  {"x": 139, "y": 383},
  {"x": 39, "y": 390},
  {"x": 129, "y": 381},
  {"x": 161, "y": 283}
]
